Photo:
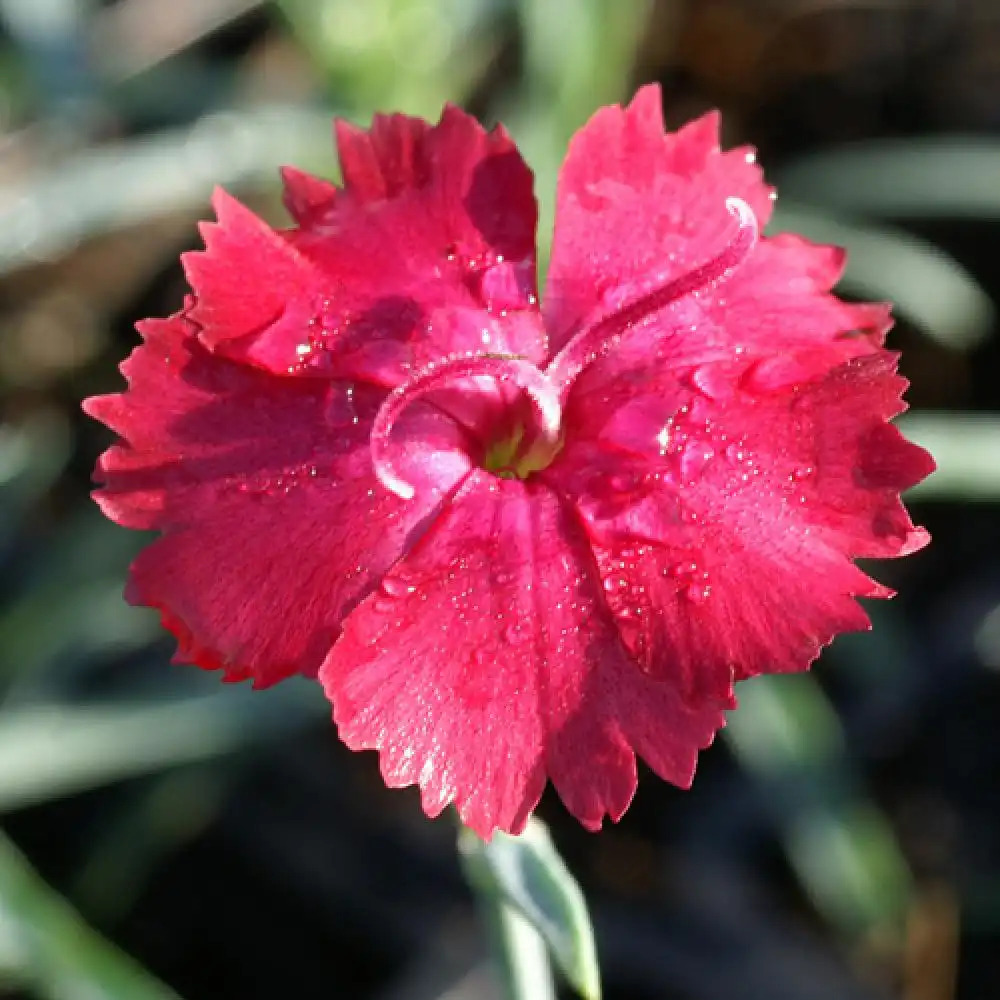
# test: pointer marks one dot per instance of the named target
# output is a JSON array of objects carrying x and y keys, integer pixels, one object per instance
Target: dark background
[{"x": 840, "y": 843}]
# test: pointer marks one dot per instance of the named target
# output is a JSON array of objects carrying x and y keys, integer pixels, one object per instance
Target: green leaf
[
  {"x": 47, "y": 948},
  {"x": 527, "y": 873},
  {"x": 48, "y": 751},
  {"x": 398, "y": 55},
  {"x": 917, "y": 178},
  {"x": 966, "y": 447},
  {"x": 842, "y": 847},
  {"x": 127, "y": 183}
]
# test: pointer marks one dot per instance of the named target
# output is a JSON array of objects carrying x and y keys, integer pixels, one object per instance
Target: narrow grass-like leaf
[
  {"x": 929, "y": 177},
  {"x": 841, "y": 846},
  {"x": 966, "y": 447},
  {"x": 528, "y": 873},
  {"x": 53, "y": 750},
  {"x": 58, "y": 955}
]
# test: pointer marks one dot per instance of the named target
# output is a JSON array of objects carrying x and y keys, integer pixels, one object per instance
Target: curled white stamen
[{"x": 601, "y": 335}]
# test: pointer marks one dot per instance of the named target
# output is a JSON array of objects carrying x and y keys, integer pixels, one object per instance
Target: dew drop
[
  {"x": 513, "y": 634},
  {"x": 801, "y": 473},
  {"x": 623, "y": 482},
  {"x": 697, "y": 593},
  {"x": 692, "y": 580},
  {"x": 341, "y": 407},
  {"x": 682, "y": 570},
  {"x": 712, "y": 381},
  {"x": 773, "y": 374},
  {"x": 395, "y": 587},
  {"x": 694, "y": 458},
  {"x": 664, "y": 438}
]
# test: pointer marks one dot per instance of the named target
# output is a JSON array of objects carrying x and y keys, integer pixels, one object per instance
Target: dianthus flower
[{"x": 516, "y": 542}]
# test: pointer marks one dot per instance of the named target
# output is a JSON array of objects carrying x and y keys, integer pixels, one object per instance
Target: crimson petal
[
  {"x": 638, "y": 210},
  {"x": 635, "y": 204},
  {"x": 433, "y": 219},
  {"x": 488, "y": 660},
  {"x": 274, "y": 524},
  {"x": 694, "y": 483}
]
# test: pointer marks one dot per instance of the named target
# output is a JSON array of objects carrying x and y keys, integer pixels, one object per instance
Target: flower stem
[
  {"x": 534, "y": 912},
  {"x": 519, "y": 952}
]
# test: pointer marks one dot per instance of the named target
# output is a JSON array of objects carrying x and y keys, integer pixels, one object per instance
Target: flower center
[
  {"x": 526, "y": 448},
  {"x": 505, "y": 455}
]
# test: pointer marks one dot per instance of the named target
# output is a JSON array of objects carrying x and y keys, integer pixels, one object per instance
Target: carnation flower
[{"x": 517, "y": 542}]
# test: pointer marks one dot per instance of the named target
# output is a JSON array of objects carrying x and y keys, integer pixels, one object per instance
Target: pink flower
[{"x": 517, "y": 543}]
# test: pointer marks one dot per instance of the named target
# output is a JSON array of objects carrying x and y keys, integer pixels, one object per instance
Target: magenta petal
[
  {"x": 274, "y": 524},
  {"x": 639, "y": 210},
  {"x": 310, "y": 200},
  {"x": 434, "y": 219},
  {"x": 488, "y": 660},
  {"x": 634, "y": 204},
  {"x": 249, "y": 283},
  {"x": 694, "y": 482},
  {"x": 466, "y": 178},
  {"x": 388, "y": 159}
]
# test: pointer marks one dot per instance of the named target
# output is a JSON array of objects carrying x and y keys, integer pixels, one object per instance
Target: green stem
[
  {"x": 518, "y": 950},
  {"x": 534, "y": 912}
]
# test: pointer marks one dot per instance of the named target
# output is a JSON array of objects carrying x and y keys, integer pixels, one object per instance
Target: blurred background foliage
[{"x": 161, "y": 836}]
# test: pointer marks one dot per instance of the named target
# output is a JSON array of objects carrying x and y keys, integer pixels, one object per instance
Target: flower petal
[
  {"x": 388, "y": 159},
  {"x": 693, "y": 483},
  {"x": 310, "y": 200},
  {"x": 274, "y": 524},
  {"x": 488, "y": 660},
  {"x": 635, "y": 205},
  {"x": 432, "y": 220}
]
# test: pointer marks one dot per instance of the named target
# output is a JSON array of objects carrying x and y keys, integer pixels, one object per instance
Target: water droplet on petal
[
  {"x": 694, "y": 458},
  {"x": 697, "y": 593},
  {"x": 683, "y": 569},
  {"x": 395, "y": 587},
  {"x": 773, "y": 374},
  {"x": 692, "y": 580},
  {"x": 513, "y": 634},
  {"x": 341, "y": 407},
  {"x": 801, "y": 473},
  {"x": 663, "y": 438},
  {"x": 623, "y": 482},
  {"x": 713, "y": 382}
]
